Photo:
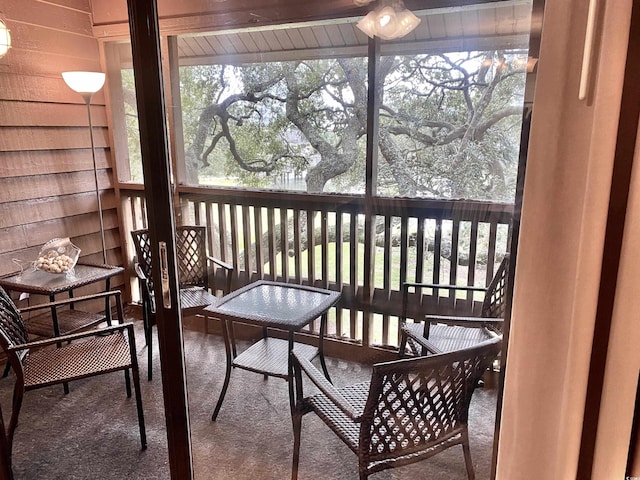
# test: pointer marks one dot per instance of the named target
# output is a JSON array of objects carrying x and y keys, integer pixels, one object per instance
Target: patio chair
[
  {"x": 443, "y": 333},
  {"x": 66, "y": 358},
  {"x": 193, "y": 277},
  {"x": 411, "y": 409}
]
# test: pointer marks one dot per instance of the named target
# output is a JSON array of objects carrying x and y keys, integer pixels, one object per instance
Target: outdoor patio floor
[{"x": 92, "y": 433}]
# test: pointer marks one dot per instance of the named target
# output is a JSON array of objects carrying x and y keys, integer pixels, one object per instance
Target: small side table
[
  {"x": 42, "y": 283},
  {"x": 275, "y": 305}
]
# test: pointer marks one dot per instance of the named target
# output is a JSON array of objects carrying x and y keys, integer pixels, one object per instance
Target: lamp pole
[
  {"x": 86, "y": 84},
  {"x": 87, "y": 99}
]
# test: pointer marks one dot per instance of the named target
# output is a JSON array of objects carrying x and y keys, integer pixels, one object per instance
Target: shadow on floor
[{"x": 92, "y": 433}]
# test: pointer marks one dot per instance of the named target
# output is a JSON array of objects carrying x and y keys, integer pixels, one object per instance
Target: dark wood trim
[
  {"x": 626, "y": 141},
  {"x": 147, "y": 64}
]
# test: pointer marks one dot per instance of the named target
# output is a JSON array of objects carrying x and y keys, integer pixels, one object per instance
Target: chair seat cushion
[
  {"x": 80, "y": 359},
  {"x": 192, "y": 298},
  {"x": 196, "y": 298},
  {"x": 449, "y": 337},
  {"x": 342, "y": 425}
]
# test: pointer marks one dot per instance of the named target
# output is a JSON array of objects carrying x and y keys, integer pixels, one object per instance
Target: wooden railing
[{"x": 268, "y": 235}]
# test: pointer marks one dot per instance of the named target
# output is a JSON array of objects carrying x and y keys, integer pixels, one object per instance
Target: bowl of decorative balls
[{"x": 57, "y": 256}]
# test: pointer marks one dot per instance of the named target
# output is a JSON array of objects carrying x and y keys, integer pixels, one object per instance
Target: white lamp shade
[
  {"x": 5, "y": 39},
  {"x": 84, "y": 82}
]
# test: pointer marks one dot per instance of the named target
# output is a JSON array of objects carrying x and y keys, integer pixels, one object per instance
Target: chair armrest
[
  {"x": 419, "y": 285},
  {"x": 74, "y": 336},
  {"x": 423, "y": 342},
  {"x": 220, "y": 263},
  {"x": 325, "y": 386},
  {"x": 67, "y": 301},
  {"x": 143, "y": 281},
  {"x": 444, "y": 286},
  {"x": 463, "y": 321},
  {"x": 139, "y": 273}
]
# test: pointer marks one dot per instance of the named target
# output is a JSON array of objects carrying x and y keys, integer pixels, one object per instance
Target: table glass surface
[
  {"x": 278, "y": 304},
  {"x": 38, "y": 281}
]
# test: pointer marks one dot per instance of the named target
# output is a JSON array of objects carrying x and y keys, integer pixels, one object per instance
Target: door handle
[
  {"x": 164, "y": 272},
  {"x": 587, "y": 51}
]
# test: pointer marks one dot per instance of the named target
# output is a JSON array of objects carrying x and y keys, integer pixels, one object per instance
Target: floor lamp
[{"x": 86, "y": 84}]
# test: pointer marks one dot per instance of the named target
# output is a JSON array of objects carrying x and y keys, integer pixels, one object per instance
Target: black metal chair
[
  {"x": 193, "y": 277},
  {"x": 411, "y": 409},
  {"x": 444, "y": 333},
  {"x": 66, "y": 358}
]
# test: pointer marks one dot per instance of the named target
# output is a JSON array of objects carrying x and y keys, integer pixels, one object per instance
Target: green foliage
[
  {"x": 450, "y": 123},
  {"x": 131, "y": 125}
]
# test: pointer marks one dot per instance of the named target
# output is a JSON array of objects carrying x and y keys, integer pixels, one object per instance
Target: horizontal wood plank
[
  {"x": 80, "y": 5},
  {"x": 47, "y": 64},
  {"x": 34, "y": 114},
  {"x": 59, "y": 41},
  {"x": 41, "y": 186},
  {"x": 24, "y": 163},
  {"x": 12, "y": 238},
  {"x": 13, "y": 139},
  {"x": 44, "y": 89},
  {"x": 39, "y": 210},
  {"x": 49, "y": 15}
]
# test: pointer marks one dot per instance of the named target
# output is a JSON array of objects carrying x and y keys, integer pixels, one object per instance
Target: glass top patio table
[
  {"x": 38, "y": 282},
  {"x": 273, "y": 305},
  {"x": 44, "y": 283}
]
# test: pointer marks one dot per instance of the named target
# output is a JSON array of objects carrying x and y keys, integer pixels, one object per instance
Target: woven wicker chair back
[
  {"x": 495, "y": 297},
  {"x": 191, "y": 254},
  {"x": 417, "y": 403},
  {"x": 12, "y": 329},
  {"x": 13, "y": 332}
]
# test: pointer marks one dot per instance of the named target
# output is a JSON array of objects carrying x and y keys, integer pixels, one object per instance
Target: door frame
[{"x": 147, "y": 67}]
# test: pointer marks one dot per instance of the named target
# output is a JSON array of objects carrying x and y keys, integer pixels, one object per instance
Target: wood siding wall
[{"x": 47, "y": 185}]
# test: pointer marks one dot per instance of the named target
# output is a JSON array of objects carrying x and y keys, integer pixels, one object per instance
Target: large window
[
  {"x": 449, "y": 122},
  {"x": 293, "y": 125}
]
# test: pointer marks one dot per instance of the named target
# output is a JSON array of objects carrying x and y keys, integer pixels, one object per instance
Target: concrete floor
[{"x": 92, "y": 433}]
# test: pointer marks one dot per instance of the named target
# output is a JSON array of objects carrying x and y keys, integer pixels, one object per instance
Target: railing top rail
[{"x": 459, "y": 209}]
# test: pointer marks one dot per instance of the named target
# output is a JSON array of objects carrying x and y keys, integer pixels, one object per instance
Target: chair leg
[
  {"x": 135, "y": 370},
  {"x": 297, "y": 431},
  {"x": 145, "y": 322},
  {"x": 127, "y": 383},
  {"x": 143, "y": 431},
  {"x": 403, "y": 345},
  {"x": 7, "y": 367},
  {"x": 227, "y": 375},
  {"x": 149, "y": 353},
  {"x": 18, "y": 393},
  {"x": 467, "y": 456},
  {"x": 362, "y": 467}
]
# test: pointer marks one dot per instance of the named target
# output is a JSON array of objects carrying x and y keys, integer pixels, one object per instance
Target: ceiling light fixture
[
  {"x": 5, "y": 39},
  {"x": 389, "y": 20}
]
